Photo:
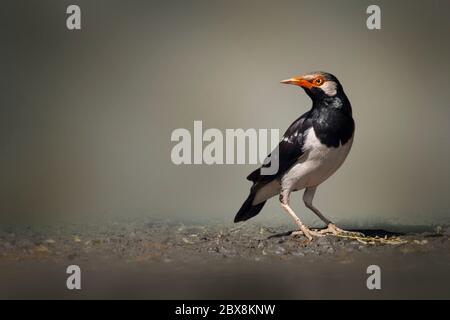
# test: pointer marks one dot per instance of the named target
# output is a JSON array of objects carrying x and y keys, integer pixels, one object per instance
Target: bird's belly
[
  {"x": 316, "y": 165},
  {"x": 322, "y": 168}
]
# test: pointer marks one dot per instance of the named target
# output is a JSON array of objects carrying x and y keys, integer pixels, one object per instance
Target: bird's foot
[
  {"x": 332, "y": 229},
  {"x": 305, "y": 231}
]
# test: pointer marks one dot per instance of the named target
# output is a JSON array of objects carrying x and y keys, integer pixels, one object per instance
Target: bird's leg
[
  {"x": 304, "y": 230},
  {"x": 331, "y": 228}
]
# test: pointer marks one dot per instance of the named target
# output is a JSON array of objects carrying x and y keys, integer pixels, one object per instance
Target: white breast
[{"x": 317, "y": 163}]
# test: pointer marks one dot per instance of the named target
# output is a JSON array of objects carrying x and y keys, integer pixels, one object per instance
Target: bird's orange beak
[{"x": 298, "y": 81}]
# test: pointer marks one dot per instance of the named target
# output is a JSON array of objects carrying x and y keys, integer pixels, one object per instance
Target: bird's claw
[
  {"x": 333, "y": 230},
  {"x": 308, "y": 233}
]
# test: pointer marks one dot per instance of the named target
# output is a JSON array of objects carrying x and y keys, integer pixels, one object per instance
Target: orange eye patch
[{"x": 318, "y": 81}]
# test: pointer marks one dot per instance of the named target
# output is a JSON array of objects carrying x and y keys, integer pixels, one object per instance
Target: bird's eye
[{"x": 318, "y": 81}]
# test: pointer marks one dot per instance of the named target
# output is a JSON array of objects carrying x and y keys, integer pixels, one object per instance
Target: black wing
[{"x": 289, "y": 150}]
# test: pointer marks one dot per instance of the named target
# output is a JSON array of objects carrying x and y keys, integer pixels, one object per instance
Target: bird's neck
[
  {"x": 339, "y": 102},
  {"x": 332, "y": 120}
]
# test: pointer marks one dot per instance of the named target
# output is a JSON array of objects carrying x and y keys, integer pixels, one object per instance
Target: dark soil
[{"x": 159, "y": 259}]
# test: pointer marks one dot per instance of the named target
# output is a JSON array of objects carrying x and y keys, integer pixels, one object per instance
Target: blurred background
[{"x": 86, "y": 116}]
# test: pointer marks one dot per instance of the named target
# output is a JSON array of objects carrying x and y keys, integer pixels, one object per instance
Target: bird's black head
[{"x": 318, "y": 85}]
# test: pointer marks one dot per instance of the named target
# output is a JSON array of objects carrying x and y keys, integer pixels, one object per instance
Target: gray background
[{"x": 86, "y": 116}]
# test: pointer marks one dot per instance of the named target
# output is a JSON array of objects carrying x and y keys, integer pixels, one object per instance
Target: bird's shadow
[{"x": 367, "y": 232}]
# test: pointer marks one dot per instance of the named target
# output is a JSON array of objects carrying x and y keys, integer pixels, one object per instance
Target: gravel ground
[{"x": 159, "y": 259}]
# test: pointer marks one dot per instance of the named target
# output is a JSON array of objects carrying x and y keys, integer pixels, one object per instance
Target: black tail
[{"x": 248, "y": 211}]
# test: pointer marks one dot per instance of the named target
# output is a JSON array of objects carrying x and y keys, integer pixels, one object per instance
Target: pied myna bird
[{"x": 311, "y": 150}]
